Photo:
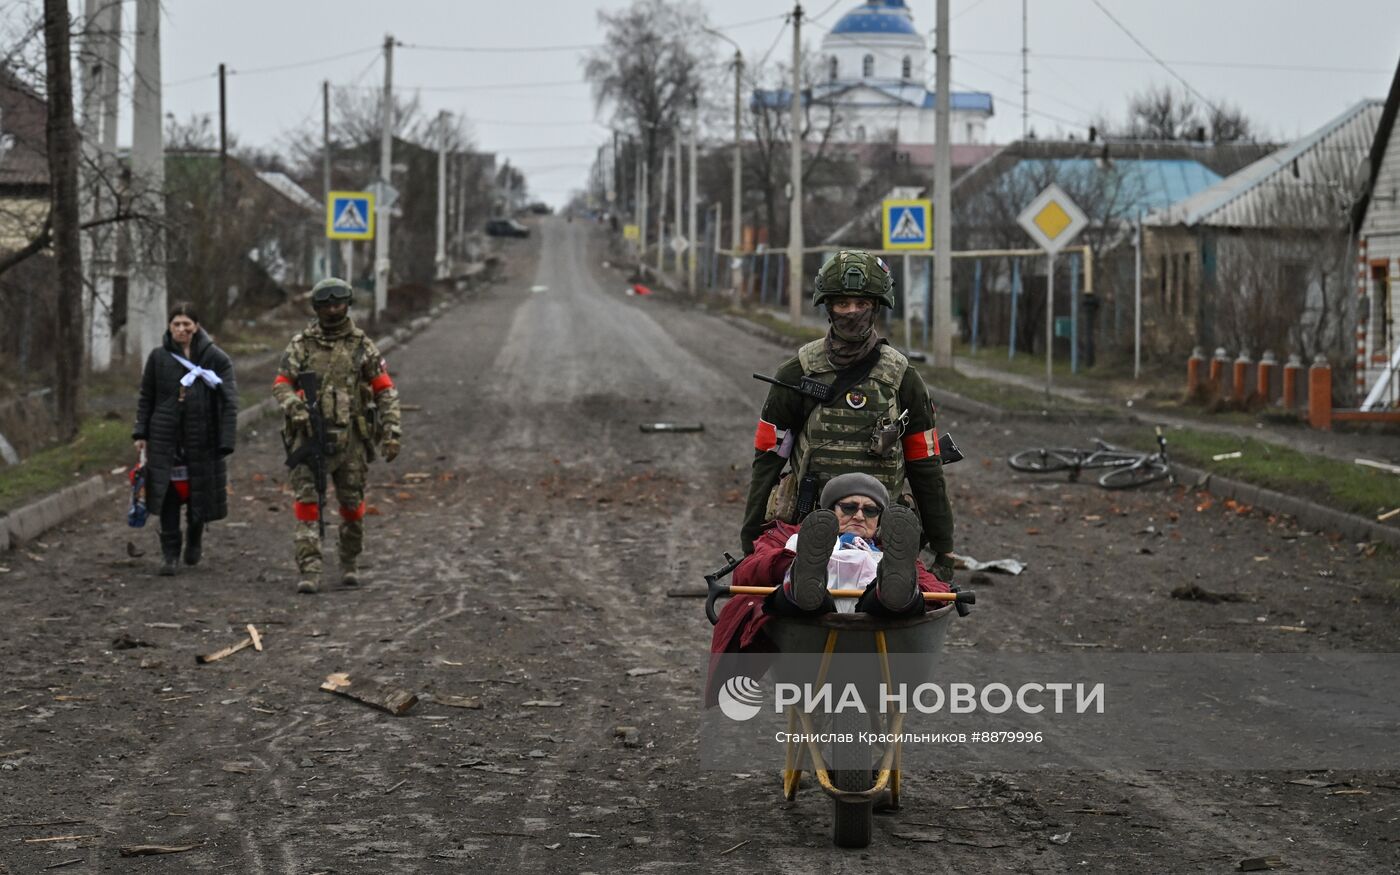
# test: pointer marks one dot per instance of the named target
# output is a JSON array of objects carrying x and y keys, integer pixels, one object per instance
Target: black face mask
[
  {"x": 851, "y": 337},
  {"x": 326, "y": 321}
]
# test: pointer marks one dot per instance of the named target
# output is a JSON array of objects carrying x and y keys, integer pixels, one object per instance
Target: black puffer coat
[{"x": 206, "y": 428}]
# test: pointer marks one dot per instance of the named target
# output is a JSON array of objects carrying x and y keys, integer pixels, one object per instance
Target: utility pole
[
  {"x": 645, "y": 183},
  {"x": 223, "y": 139},
  {"x": 63, "y": 153},
  {"x": 661, "y": 213},
  {"x": 736, "y": 219},
  {"x": 145, "y": 321},
  {"x": 1137, "y": 297},
  {"x": 691, "y": 228},
  {"x": 942, "y": 206},
  {"x": 326, "y": 170},
  {"x": 386, "y": 172},
  {"x": 1025, "y": 76},
  {"x": 795, "y": 240},
  {"x": 102, "y": 25},
  {"x": 440, "y": 259},
  {"x": 678, "y": 229}
]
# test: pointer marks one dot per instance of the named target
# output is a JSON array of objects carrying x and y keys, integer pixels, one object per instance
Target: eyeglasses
[{"x": 851, "y": 508}]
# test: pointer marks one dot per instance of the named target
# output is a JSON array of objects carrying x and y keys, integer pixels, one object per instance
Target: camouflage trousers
[{"x": 346, "y": 471}]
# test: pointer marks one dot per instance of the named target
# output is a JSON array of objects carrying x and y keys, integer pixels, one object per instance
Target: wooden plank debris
[
  {"x": 471, "y": 702},
  {"x": 382, "y": 696},
  {"x": 227, "y": 651},
  {"x": 255, "y": 636},
  {"x": 152, "y": 850}
]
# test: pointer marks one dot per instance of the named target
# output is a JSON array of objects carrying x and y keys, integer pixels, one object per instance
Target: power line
[
  {"x": 277, "y": 68},
  {"x": 1224, "y": 65},
  {"x": 1163, "y": 64},
  {"x": 500, "y": 49}
]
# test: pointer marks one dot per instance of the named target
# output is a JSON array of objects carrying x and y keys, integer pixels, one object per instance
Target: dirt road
[{"x": 520, "y": 552}]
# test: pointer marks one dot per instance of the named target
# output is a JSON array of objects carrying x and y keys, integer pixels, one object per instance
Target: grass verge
[
  {"x": 1351, "y": 488},
  {"x": 102, "y": 444}
]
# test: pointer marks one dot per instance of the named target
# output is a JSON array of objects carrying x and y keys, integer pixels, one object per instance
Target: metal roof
[
  {"x": 288, "y": 188},
  {"x": 1147, "y": 184},
  {"x": 1305, "y": 178},
  {"x": 899, "y": 92}
]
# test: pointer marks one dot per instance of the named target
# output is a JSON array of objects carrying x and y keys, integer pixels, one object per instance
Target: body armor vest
[
  {"x": 344, "y": 396},
  {"x": 836, "y": 437}
]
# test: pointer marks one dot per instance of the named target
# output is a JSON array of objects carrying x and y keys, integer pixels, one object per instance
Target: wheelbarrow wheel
[{"x": 852, "y": 820}]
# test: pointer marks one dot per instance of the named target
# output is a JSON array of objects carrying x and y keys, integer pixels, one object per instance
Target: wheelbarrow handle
[
  {"x": 961, "y": 598},
  {"x": 717, "y": 589}
]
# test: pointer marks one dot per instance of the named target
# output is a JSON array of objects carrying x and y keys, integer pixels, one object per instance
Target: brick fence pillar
[
  {"x": 1290, "y": 381},
  {"x": 1264, "y": 377},
  {"x": 1239, "y": 380},
  {"x": 1193, "y": 370},
  {"x": 1320, "y": 394}
]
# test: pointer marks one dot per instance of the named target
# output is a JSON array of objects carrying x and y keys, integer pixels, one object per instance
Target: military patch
[{"x": 856, "y": 399}]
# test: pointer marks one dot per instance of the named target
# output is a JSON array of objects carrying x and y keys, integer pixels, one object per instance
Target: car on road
[{"x": 506, "y": 228}]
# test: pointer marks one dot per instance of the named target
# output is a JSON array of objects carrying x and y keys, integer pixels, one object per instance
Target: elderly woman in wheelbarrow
[{"x": 856, "y": 540}]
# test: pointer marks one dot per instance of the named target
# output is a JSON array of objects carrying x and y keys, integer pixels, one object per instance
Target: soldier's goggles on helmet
[
  {"x": 331, "y": 295},
  {"x": 851, "y": 508}
]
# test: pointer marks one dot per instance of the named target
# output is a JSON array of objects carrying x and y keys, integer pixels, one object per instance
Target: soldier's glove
[
  {"x": 390, "y": 449},
  {"x": 298, "y": 417},
  {"x": 943, "y": 567}
]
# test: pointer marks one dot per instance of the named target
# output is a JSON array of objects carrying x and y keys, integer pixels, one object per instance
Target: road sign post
[
  {"x": 1052, "y": 220},
  {"x": 350, "y": 215}
]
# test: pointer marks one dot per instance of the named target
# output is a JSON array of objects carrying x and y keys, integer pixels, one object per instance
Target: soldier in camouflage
[
  {"x": 879, "y": 420},
  {"x": 360, "y": 407}
]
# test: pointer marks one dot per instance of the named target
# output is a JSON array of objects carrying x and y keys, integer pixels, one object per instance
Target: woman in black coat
[{"x": 186, "y": 423}]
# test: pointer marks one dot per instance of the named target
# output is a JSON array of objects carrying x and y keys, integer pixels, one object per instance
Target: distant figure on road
[
  {"x": 875, "y": 418},
  {"x": 354, "y": 408},
  {"x": 186, "y": 423}
]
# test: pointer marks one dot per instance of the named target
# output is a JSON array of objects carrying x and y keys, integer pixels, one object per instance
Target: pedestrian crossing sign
[
  {"x": 350, "y": 215},
  {"x": 907, "y": 223}
]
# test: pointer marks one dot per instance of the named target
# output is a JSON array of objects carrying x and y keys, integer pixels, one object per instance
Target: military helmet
[
  {"x": 331, "y": 291},
  {"x": 852, "y": 273}
]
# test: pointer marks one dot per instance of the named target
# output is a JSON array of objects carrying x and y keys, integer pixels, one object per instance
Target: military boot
[
  {"x": 169, "y": 552},
  {"x": 308, "y": 584},
  {"x": 194, "y": 543},
  {"x": 349, "y": 574}
]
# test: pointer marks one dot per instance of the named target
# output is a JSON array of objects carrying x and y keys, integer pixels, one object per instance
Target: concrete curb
[
  {"x": 1308, "y": 514},
  {"x": 32, "y": 520}
]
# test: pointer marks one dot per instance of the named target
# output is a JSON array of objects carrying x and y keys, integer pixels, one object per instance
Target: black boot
[
  {"x": 169, "y": 552},
  {"x": 194, "y": 543}
]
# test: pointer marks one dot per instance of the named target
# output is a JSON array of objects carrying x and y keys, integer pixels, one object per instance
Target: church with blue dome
[{"x": 875, "y": 70}]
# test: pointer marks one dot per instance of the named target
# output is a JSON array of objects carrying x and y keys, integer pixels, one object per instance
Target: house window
[
  {"x": 831, "y": 70},
  {"x": 867, "y": 66},
  {"x": 907, "y": 71}
]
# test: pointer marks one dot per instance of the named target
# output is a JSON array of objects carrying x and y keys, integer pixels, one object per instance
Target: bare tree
[
  {"x": 1159, "y": 113},
  {"x": 1228, "y": 124},
  {"x": 651, "y": 69}
]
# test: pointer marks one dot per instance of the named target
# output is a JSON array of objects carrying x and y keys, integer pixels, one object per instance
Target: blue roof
[
  {"x": 905, "y": 92},
  {"x": 1148, "y": 184},
  {"x": 877, "y": 16}
]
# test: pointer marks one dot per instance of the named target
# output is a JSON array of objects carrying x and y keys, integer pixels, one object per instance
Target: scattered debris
[
  {"x": 151, "y": 850},
  {"x": 237, "y": 768},
  {"x": 125, "y": 642},
  {"x": 678, "y": 427},
  {"x": 1381, "y": 466},
  {"x": 386, "y": 698},
  {"x": 1260, "y": 864},
  {"x": 541, "y": 703},
  {"x": 584, "y": 835},
  {"x": 1313, "y": 782},
  {"x": 46, "y": 839},
  {"x": 255, "y": 637},
  {"x": 60, "y": 865},
  {"x": 1220, "y": 457},
  {"x": 498, "y": 770},
  {"x": 631, "y": 736},
  {"x": 1290, "y": 628},
  {"x": 1388, "y": 515},
  {"x": 471, "y": 702},
  {"x": 396, "y": 786},
  {"x": 1060, "y": 838},
  {"x": 227, "y": 651},
  {"x": 735, "y": 848},
  {"x": 1001, "y": 566},
  {"x": 538, "y": 289},
  {"x": 641, "y": 672},
  {"x": 1194, "y": 593},
  {"x": 134, "y": 551}
]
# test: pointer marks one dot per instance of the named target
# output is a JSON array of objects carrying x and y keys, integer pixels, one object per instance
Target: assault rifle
[{"x": 313, "y": 451}]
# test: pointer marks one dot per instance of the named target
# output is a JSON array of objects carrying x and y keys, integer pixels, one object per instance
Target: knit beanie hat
[{"x": 844, "y": 485}]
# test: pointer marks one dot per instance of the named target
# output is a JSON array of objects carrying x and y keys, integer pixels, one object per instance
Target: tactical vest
[
  {"x": 344, "y": 395},
  {"x": 835, "y": 438}
]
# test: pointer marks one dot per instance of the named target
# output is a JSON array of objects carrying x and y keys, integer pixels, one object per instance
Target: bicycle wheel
[
  {"x": 1041, "y": 461},
  {"x": 1148, "y": 471},
  {"x": 1113, "y": 459}
]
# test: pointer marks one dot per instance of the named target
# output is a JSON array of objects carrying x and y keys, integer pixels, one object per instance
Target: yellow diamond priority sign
[{"x": 1052, "y": 219}]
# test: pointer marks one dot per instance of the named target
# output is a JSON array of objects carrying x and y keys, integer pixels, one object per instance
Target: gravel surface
[{"x": 520, "y": 552}]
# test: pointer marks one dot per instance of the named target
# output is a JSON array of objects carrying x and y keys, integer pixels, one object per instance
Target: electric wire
[{"x": 1161, "y": 63}]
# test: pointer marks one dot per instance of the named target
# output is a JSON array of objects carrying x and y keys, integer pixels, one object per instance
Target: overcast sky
[{"x": 1290, "y": 64}]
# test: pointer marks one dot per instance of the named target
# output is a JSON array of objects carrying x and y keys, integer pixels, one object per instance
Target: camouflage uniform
[
  {"x": 361, "y": 407},
  {"x": 827, "y": 439}
]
